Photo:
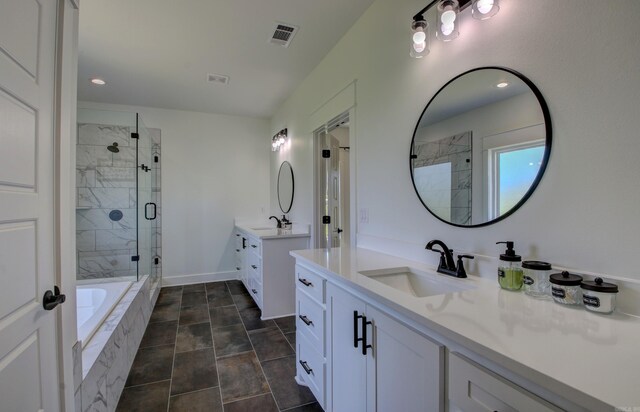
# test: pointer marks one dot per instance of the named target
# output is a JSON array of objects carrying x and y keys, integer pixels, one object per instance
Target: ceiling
[{"x": 158, "y": 53}]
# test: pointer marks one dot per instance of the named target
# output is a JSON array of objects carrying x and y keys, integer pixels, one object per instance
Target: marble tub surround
[
  {"x": 107, "y": 357},
  {"x": 509, "y": 329},
  {"x": 106, "y": 182}
]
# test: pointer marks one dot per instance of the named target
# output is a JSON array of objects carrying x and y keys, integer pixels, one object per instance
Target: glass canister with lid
[
  {"x": 565, "y": 288},
  {"x": 536, "y": 278},
  {"x": 510, "y": 268},
  {"x": 599, "y": 296}
]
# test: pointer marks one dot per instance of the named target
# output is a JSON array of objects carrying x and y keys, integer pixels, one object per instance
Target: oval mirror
[
  {"x": 480, "y": 147},
  {"x": 285, "y": 187}
]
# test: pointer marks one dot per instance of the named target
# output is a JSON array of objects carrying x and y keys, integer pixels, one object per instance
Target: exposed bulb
[
  {"x": 281, "y": 140},
  {"x": 485, "y": 9},
  {"x": 447, "y": 29},
  {"x": 419, "y": 36},
  {"x": 448, "y": 16},
  {"x": 419, "y": 47},
  {"x": 485, "y": 6}
]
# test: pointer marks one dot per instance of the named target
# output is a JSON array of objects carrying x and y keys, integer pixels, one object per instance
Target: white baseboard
[{"x": 198, "y": 278}]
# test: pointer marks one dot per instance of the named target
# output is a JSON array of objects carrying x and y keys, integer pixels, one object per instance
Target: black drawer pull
[
  {"x": 255, "y": 292},
  {"x": 305, "y": 282},
  {"x": 365, "y": 346},
  {"x": 254, "y": 246},
  {"x": 306, "y": 367},
  {"x": 237, "y": 268},
  {"x": 356, "y": 339},
  {"x": 305, "y": 320},
  {"x": 254, "y": 266},
  {"x": 237, "y": 250}
]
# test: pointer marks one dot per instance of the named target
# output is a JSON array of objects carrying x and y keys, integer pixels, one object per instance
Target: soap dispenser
[{"x": 510, "y": 272}]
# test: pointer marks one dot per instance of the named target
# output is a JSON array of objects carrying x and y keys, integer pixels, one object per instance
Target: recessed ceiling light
[
  {"x": 502, "y": 85},
  {"x": 98, "y": 81}
]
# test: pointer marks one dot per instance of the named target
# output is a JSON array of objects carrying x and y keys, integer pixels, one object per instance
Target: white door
[
  {"x": 347, "y": 375},
  {"x": 28, "y": 341},
  {"x": 405, "y": 371}
]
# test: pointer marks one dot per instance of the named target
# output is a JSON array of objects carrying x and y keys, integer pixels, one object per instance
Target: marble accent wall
[
  {"x": 106, "y": 183},
  {"x": 108, "y": 356},
  {"x": 456, "y": 150}
]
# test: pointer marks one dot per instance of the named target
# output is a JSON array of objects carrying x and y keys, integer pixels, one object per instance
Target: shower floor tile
[{"x": 202, "y": 357}]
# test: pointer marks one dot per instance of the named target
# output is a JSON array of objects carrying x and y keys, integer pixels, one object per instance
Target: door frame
[{"x": 352, "y": 179}]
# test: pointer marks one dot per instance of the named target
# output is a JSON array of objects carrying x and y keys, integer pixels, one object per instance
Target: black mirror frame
[
  {"x": 545, "y": 159},
  {"x": 293, "y": 187}
]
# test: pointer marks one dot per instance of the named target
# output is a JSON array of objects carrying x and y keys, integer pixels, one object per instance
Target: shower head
[{"x": 113, "y": 148}]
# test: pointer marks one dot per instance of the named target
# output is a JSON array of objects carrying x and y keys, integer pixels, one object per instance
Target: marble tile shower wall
[
  {"x": 106, "y": 196},
  {"x": 456, "y": 150}
]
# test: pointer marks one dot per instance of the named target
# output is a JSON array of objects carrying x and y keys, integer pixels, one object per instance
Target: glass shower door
[{"x": 146, "y": 208}]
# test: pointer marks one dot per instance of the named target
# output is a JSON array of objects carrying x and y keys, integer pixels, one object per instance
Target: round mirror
[
  {"x": 285, "y": 187},
  {"x": 480, "y": 147}
]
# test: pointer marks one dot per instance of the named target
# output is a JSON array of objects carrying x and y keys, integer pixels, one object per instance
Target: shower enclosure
[{"x": 118, "y": 198}]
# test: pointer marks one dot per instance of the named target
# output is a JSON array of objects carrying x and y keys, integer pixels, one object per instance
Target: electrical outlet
[{"x": 364, "y": 215}]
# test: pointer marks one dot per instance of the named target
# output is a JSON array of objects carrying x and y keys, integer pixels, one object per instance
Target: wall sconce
[
  {"x": 448, "y": 21},
  {"x": 278, "y": 140}
]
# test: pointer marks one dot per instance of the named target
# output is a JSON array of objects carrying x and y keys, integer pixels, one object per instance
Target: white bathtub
[{"x": 94, "y": 303}]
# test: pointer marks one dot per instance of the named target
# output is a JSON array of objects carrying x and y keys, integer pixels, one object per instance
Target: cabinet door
[
  {"x": 347, "y": 377},
  {"x": 405, "y": 371}
]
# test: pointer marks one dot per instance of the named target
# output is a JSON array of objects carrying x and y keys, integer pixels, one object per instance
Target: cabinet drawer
[
  {"x": 255, "y": 290},
  {"x": 238, "y": 237},
  {"x": 254, "y": 262},
  {"x": 310, "y": 321},
  {"x": 473, "y": 388},
  {"x": 255, "y": 246},
  {"x": 311, "y": 283},
  {"x": 311, "y": 368}
]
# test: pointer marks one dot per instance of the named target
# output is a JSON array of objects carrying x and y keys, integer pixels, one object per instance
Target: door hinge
[
  {"x": 135, "y": 136},
  {"x": 326, "y": 220},
  {"x": 326, "y": 153},
  {"x": 135, "y": 258}
]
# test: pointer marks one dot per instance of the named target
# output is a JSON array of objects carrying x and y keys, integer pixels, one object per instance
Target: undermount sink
[{"x": 416, "y": 282}]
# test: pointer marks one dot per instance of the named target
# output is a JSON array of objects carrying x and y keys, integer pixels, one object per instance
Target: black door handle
[
  {"x": 365, "y": 346},
  {"x": 155, "y": 211},
  {"x": 356, "y": 339},
  {"x": 52, "y": 299}
]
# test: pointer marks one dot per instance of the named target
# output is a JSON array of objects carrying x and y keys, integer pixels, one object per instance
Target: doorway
[{"x": 332, "y": 224}]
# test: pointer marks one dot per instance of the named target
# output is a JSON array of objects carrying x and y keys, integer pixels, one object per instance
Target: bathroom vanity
[
  {"x": 265, "y": 266},
  {"x": 377, "y": 332}
]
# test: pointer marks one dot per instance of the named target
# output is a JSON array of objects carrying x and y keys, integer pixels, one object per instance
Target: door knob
[{"x": 52, "y": 299}]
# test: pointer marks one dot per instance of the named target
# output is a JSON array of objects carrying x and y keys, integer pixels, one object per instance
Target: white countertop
[
  {"x": 575, "y": 353},
  {"x": 263, "y": 231}
]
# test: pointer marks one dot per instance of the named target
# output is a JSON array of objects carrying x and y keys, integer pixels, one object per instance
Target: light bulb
[
  {"x": 447, "y": 29},
  {"x": 98, "y": 81},
  {"x": 419, "y": 36},
  {"x": 484, "y": 9},
  {"x": 419, "y": 47},
  {"x": 281, "y": 140},
  {"x": 448, "y": 16},
  {"x": 485, "y": 6},
  {"x": 274, "y": 145}
]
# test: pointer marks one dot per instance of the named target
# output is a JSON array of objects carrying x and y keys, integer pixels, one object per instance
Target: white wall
[
  {"x": 214, "y": 168},
  {"x": 582, "y": 55}
]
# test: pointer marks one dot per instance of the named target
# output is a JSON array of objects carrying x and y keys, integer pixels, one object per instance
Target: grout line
[
  {"x": 145, "y": 384},
  {"x": 175, "y": 344},
  {"x": 213, "y": 345},
  {"x": 294, "y": 407},
  {"x": 244, "y": 398},
  {"x": 197, "y": 390}
]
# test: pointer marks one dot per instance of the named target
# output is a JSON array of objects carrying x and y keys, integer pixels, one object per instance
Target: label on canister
[
  {"x": 592, "y": 301},
  {"x": 528, "y": 280},
  {"x": 558, "y": 292}
]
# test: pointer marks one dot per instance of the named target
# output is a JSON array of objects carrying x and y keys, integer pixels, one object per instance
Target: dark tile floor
[{"x": 206, "y": 349}]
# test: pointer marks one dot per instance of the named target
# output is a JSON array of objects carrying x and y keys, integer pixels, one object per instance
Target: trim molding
[{"x": 198, "y": 278}]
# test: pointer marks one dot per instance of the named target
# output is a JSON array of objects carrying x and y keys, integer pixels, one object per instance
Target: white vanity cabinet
[
  {"x": 399, "y": 369},
  {"x": 267, "y": 269},
  {"x": 378, "y": 364}
]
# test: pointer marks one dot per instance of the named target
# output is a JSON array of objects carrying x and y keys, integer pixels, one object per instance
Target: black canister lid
[
  {"x": 536, "y": 265},
  {"x": 565, "y": 279},
  {"x": 598, "y": 285}
]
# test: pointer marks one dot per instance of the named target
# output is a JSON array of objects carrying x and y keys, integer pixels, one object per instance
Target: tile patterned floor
[{"x": 206, "y": 349}]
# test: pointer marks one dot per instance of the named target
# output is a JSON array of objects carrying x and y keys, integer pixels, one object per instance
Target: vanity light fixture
[
  {"x": 448, "y": 21},
  {"x": 278, "y": 140},
  {"x": 97, "y": 81}
]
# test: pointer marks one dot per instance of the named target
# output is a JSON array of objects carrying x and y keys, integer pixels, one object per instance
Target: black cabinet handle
[
  {"x": 255, "y": 292},
  {"x": 52, "y": 299},
  {"x": 306, "y": 367},
  {"x": 356, "y": 339},
  {"x": 305, "y": 282},
  {"x": 254, "y": 246},
  {"x": 237, "y": 268},
  {"x": 238, "y": 234},
  {"x": 305, "y": 320},
  {"x": 254, "y": 266},
  {"x": 244, "y": 242},
  {"x": 237, "y": 250},
  {"x": 365, "y": 346}
]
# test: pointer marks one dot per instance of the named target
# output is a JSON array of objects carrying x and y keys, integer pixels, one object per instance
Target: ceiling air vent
[
  {"x": 283, "y": 34},
  {"x": 217, "y": 78}
]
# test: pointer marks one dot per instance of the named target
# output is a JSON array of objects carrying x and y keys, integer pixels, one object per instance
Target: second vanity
[
  {"x": 378, "y": 332},
  {"x": 265, "y": 267}
]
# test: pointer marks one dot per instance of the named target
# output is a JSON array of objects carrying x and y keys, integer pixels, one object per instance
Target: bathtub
[{"x": 94, "y": 303}]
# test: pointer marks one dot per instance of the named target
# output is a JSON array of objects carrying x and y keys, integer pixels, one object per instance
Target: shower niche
[{"x": 118, "y": 210}]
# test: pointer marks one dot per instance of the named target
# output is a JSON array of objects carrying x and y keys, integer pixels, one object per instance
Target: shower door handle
[{"x": 155, "y": 211}]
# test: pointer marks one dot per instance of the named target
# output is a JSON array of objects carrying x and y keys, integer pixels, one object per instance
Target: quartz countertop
[
  {"x": 263, "y": 231},
  {"x": 588, "y": 358}
]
